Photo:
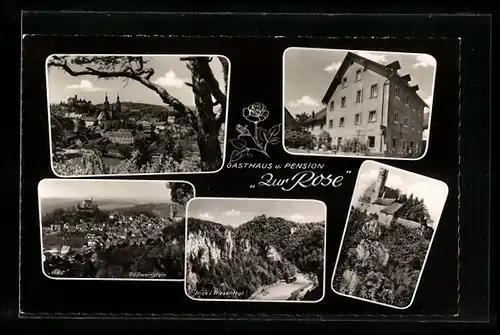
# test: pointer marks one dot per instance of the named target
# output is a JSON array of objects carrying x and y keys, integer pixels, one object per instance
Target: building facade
[
  {"x": 122, "y": 136},
  {"x": 373, "y": 104}
]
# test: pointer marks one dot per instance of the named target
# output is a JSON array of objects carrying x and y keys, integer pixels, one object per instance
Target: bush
[{"x": 298, "y": 138}]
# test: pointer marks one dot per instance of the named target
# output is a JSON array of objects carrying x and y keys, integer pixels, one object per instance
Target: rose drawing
[{"x": 246, "y": 142}]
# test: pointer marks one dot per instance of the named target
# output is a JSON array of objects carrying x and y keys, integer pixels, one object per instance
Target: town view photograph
[
  {"x": 121, "y": 115},
  {"x": 354, "y": 103},
  {"x": 255, "y": 250},
  {"x": 391, "y": 224},
  {"x": 113, "y": 229}
]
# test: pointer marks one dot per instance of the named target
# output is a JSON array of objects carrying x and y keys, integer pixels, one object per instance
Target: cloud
[
  {"x": 297, "y": 217},
  {"x": 231, "y": 212},
  {"x": 306, "y": 101},
  {"x": 170, "y": 79},
  {"x": 395, "y": 181},
  {"x": 332, "y": 67},
  {"x": 206, "y": 216},
  {"x": 368, "y": 176},
  {"x": 424, "y": 61},
  {"x": 85, "y": 85},
  {"x": 374, "y": 56}
]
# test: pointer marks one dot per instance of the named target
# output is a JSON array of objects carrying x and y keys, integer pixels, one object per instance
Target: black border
[{"x": 475, "y": 32}]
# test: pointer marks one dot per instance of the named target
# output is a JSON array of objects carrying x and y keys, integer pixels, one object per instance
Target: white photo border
[
  {"x": 389, "y": 167},
  {"x": 248, "y": 300},
  {"x": 347, "y": 156},
  {"x": 107, "y": 180},
  {"x": 225, "y": 142}
]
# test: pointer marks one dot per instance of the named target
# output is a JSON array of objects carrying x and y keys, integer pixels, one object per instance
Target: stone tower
[{"x": 380, "y": 184}]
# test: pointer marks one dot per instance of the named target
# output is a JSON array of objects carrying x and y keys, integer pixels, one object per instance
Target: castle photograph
[
  {"x": 113, "y": 229},
  {"x": 349, "y": 103},
  {"x": 130, "y": 114},
  {"x": 255, "y": 250},
  {"x": 393, "y": 217}
]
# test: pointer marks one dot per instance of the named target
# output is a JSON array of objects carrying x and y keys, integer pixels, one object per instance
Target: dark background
[
  {"x": 40, "y": 297},
  {"x": 256, "y": 76}
]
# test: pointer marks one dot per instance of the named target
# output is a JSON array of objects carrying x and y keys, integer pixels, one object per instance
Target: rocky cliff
[{"x": 259, "y": 252}]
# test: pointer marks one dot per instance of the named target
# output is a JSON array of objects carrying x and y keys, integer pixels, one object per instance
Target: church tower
[
  {"x": 106, "y": 103},
  {"x": 118, "y": 104}
]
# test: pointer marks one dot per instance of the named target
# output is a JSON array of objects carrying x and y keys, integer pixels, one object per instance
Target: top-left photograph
[{"x": 137, "y": 114}]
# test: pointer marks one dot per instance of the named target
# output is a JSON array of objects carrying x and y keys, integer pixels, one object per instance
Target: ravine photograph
[
  {"x": 351, "y": 103},
  {"x": 391, "y": 224},
  {"x": 135, "y": 115},
  {"x": 113, "y": 229},
  {"x": 267, "y": 250}
]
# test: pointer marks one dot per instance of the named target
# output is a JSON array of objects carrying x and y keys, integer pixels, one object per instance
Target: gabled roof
[
  {"x": 319, "y": 118},
  {"x": 290, "y": 121},
  {"x": 384, "y": 201},
  {"x": 388, "y": 71},
  {"x": 392, "y": 208}
]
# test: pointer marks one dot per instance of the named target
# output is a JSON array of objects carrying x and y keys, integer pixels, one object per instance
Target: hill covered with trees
[
  {"x": 379, "y": 263},
  {"x": 258, "y": 253}
]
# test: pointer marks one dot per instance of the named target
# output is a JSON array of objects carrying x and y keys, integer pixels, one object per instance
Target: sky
[
  {"x": 170, "y": 72},
  {"x": 137, "y": 191},
  {"x": 309, "y": 72},
  {"x": 434, "y": 192},
  {"x": 234, "y": 212}
]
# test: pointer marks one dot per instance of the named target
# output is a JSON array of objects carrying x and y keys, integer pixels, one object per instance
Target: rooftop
[
  {"x": 392, "y": 208},
  {"x": 320, "y": 116}
]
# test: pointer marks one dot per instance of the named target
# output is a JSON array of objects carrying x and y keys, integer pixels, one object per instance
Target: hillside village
[
  {"x": 79, "y": 235},
  {"x": 116, "y": 129}
]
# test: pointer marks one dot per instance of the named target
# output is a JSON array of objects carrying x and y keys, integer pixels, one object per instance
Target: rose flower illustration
[{"x": 255, "y": 113}]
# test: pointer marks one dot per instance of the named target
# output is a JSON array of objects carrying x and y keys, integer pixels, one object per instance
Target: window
[
  {"x": 356, "y": 119},
  {"x": 404, "y": 144},
  {"x": 411, "y": 144},
  {"x": 358, "y": 75},
  {"x": 394, "y": 143},
  {"x": 374, "y": 91},
  {"x": 372, "y": 116},
  {"x": 330, "y": 124},
  {"x": 342, "y": 102},
  {"x": 398, "y": 92},
  {"x": 396, "y": 117},
  {"x": 405, "y": 122},
  {"x": 321, "y": 127},
  {"x": 342, "y": 122},
  {"x": 371, "y": 141},
  {"x": 359, "y": 96},
  {"x": 344, "y": 82},
  {"x": 339, "y": 140},
  {"x": 332, "y": 104},
  {"x": 406, "y": 100}
]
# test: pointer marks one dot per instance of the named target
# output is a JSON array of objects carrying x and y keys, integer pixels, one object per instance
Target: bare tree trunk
[
  {"x": 207, "y": 124},
  {"x": 210, "y": 152}
]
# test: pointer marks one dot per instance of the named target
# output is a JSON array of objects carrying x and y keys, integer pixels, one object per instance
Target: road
[{"x": 282, "y": 290}]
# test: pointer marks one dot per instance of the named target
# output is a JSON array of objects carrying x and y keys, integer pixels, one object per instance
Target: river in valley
[{"x": 282, "y": 290}]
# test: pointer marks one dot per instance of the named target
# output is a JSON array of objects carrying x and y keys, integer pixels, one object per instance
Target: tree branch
[{"x": 128, "y": 73}]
